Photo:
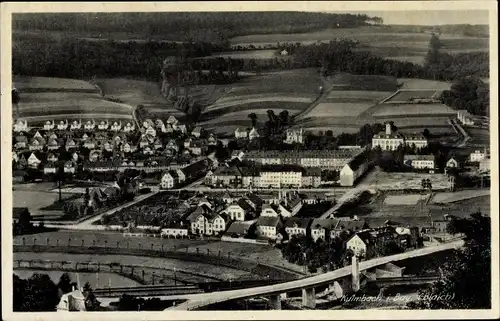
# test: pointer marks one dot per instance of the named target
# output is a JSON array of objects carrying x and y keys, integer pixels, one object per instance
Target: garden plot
[
  {"x": 274, "y": 98},
  {"x": 411, "y": 199},
  {"x": 385, "y": 110}
]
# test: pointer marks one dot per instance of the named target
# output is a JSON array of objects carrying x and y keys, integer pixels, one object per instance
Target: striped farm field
[
  {"x": 73, "y": 107},
  {"x": 359, "y": 94},
  {"x": 261, "y": 100},
  {"x": 385, "y": 110},
  {"x": 40, "y": 119},
  {"x": 339, "y": 109},
  {"x": 51, "y": 97},
  {"x": 424, "y": 84},
  {"x": 42, "y": 84},
  {"x": 408, "y": 95},
  {"x": 255, "y": 107}
]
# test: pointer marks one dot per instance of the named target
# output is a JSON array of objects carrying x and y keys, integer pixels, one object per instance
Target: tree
[
  {"x": 466, "y": 276},
  {"x": 65, "y": 283},
  {"x": 253, "y": 117},
  {"x": 426, "y": 133},
  {"x": 433, "y": 55},
  {"x": 36, "y": 294},
  {"x": 91, "y": 302}
]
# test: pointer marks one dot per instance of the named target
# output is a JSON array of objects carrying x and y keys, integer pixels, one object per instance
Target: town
[{"x": 213, "y": 203}]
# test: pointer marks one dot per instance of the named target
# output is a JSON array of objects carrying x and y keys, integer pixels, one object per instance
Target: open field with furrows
[
  {"x": 408, "y": 95},
  {"x": 386, "y": 41},
  {"x": 479, "y": 136},
  {"x": 340, "y": 109},
  {"x": 358, "y": 94},
  {"x": 409, "y": 110},
  {"x": 423, "y": 84},
  {"x": 47, "y": 84},
  {"x": 350, "y": 82},
  {"x": 386, "y": 181},
  {"x": 74, "y": 106},
  {"x": 131, "y": 91},
  {"x": 410, "y": 199},
  {"x": 255, "y": 107}
]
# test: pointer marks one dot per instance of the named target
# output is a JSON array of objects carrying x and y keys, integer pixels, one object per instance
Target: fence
[{"x": 218, "y": 258}]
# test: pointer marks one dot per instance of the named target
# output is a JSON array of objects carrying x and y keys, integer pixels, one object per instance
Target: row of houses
[
  {"x": 266, "y": 176},
  {"x": 325, "y": 159},
  {"x": 178, "y": 177}
]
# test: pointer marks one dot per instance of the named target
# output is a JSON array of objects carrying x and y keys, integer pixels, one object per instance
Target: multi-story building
[
  {"x": 416, "y": 139},
  {"x": 21, "y": 126},
  {"x": 478, "y": 155},
  {"x": 297, "y": 226},
  {"x": 388, "y": 140},
  {"x": 420, "y": 161},
  {"x": 294, "y": 136},
  {"x": 325, "y": 159},
  {"x": 354, "y": 169},
  {"x": 269, "y": 227},
  {"x": 289, "y": 177}
]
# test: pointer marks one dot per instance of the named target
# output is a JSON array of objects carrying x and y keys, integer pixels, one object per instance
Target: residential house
[
  {"x": 284, "y": 52},
  {"x": 255, "y": 201},
  {"x": 465, "y": 117},
  {"x": 89, "y": 125},
  {"x": 95, "y": 155},
  {"x": 144, "y": 141},
  {"x": 484, "y": 164},
  {"x": 175, "y": 230},
  {"x": 187, "y": 142},
  {"x": 182, "y": 129},
  {"x": 239, "y": 229},
  {"x": 311, "y": 177},
  {"x": 297, "y": 226},
  {"x": 21, "y": 141},
  {"x": 129, "y": 127},
  {"x": 241, "y": 133},
  {"x": 62, "y": 125},
  {"x": 205, "y": 202},
  {"x": 52, "y": 158},
  {"x": 76, "y": 125},
  {"x": 226, "y": 176},
  {"x": 72, "y": 301},
  {"x": 70, "y": 167},
  {"x": 90, "y": 143},
  {"x": 420, "y": 161},
  {"x": 33, "y": 161},
  {"x": 290, "y": 204},
  {"x": 108, "y": 146},
  {"x": 49, "y": 125},
  {"x": 237, "y": 154},
  {"x": 147, "y": 150},
  {"x": 269, "y": 227},
  {"x": 416, "y": 139},
  {"x": 180, "y": 175},
  {"x": 354, "y": 169},
  {"x": 196, "y": 170},
  {"x": 103, "y": 125},
  {"x": 150, "y": 131},
  {"x": 21, "y": 126},
  {"x": 128, "y": 148},
  {"x": 348, "y": 226},
  {"x": 478, "y": 156},
  {"x": 282, "y": 176},
  {"x": 172, "y": 121},
  {"x": 157, "y": 144},
  {"x": 453, "y": 162},
  {"x": 159, "y": 125},
  {"x": 49, "y": 168},
  {"x": 148, "y": 123},
  {"x": 253, "y": 134},
  {"x": 235, "y": 211},
  {"x": 268, "y": 210},
  {"x": 294, "y": 136},
  {"x": 197, "y": 132},
  {"x": 321, "y": 228},
  {"x": 364, "y": 243},
  {"x": 197, "y": 148},
  {"x": 168, "y": 180},
  {"x": 212, "y": 140},
  {"x": 36, "y": 143},
  {"x": 70, "y": 144},
  {"x": 53, "y": 144},
  {"x": 207, "y": 222}
]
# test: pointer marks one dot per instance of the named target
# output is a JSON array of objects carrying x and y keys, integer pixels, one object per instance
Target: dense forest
[{"x": 183, "y": 26}]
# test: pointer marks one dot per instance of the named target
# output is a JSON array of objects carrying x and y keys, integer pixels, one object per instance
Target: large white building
[
  {"x": 354, "y": 169},
  {"x": 477, "y": 156},
  {"x": 294, "y": 136},
  {"x": 390, "y": 140}
]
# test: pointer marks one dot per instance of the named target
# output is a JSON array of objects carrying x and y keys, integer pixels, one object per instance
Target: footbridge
[{"x": 306, "y": 285}]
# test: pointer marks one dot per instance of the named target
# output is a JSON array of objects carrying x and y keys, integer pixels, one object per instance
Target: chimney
[{"x": 388, "y": 129}]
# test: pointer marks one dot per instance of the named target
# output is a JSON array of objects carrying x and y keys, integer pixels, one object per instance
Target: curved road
[{"x": 196, "y": 301}]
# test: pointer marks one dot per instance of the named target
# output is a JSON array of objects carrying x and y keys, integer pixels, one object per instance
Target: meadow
[
  {"x": 408, "y": 95},
  {"x": 250, "y": 54},
  {"x": 387, "y": 41},
  {"x": 41, "y": 84},
  {"x": 339, "y": 109},
  {"x": 386, "y": 110}
]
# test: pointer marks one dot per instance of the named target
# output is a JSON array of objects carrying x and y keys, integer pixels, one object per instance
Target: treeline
[
  {"x": 79, "y": 58},
  {"x": 183, "y": 26},
  {"x": 470, "y": 94}
]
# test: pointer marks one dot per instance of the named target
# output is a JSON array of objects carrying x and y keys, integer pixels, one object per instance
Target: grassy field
[
  {"x": 386, "y": 41},
  {"x": 383, "y": 180},
  {"x": 105, "y": 278},
  {"x": 36, "y": 197},
  {"x": 251, "y": 54},
  {"x": 339, "y": 109},
  {"x": 410, "y": 199},
  {"x": 459, "y": 196},
  {"x": 41, "y": 84},
  {"x": 480, "y": 137},
  {"x": 358, "y": 94},
  {"x": 407, "y": 95},
  {"x": 423, "y": 84},
  {"x": 386, "y": 110}
]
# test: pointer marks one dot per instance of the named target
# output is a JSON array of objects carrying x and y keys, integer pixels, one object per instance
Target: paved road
[{"x": 200, "y": 300}]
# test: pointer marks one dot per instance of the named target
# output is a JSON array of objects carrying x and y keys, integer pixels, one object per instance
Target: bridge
[
  {"x": 405, "y": 280},
  {"x": 306, "y": 285},
  {"x": 342, "y": 279}
]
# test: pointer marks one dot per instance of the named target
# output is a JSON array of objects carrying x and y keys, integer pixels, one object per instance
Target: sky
[{"x": 434, "y": 17}]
